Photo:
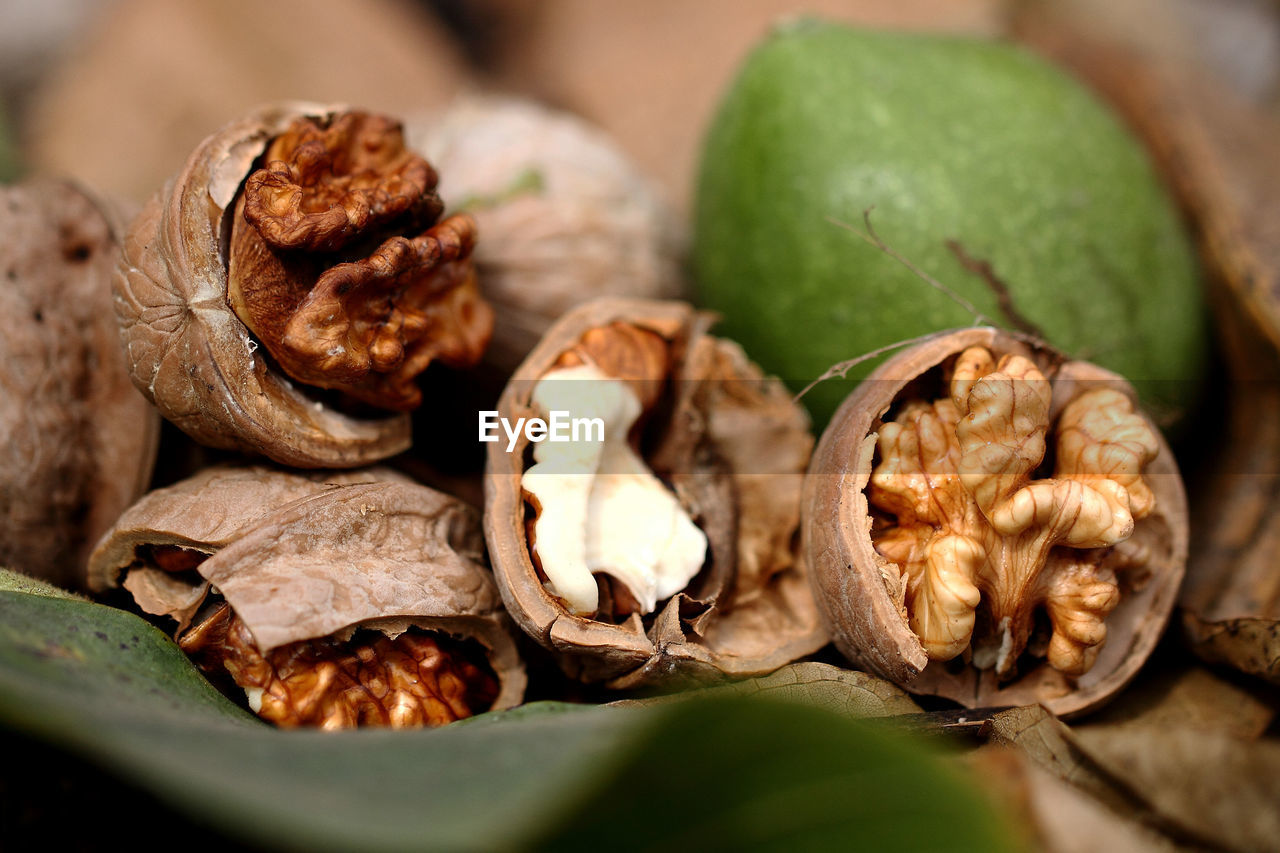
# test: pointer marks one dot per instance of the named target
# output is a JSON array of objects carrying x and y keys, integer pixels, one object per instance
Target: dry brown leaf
[
  {"x": 1192, "y": 698},
  {"x": 1218, "y": 789},
  {"x": 1048, "y": 742},
  {"x": 1060, "y": 818},
  {"x": 1197, "y": 786}
]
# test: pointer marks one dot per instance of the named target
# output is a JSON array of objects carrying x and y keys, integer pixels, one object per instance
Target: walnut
[
  {"x": 660, "y": 548},
  {"x": 411, "y": 681},
  {"x": 79, "y": 441},
  {"x": 983, "y": 501},
  {"x": 311, "y": 233},
  {"x": 566, "y": 215},
  {"x": 340, "y": 586}
]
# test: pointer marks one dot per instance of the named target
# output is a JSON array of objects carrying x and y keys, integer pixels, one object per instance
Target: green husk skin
[{"x": 942, "y": 139}]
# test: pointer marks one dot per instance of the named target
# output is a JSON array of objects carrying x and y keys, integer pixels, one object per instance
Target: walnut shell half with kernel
[
  {"x": 333, "y": 599},
  {"x": 284, "y": 291},
  {"x": 994, "y": 523},
  {"x": 660, "y": 547}
]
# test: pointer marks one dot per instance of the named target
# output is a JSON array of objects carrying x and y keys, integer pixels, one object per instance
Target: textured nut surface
[
  {"x": 411, "y": 681},
  {"x": 960, "y": 512},
  {"x": 730, "y": 444},
  {"x": 307, "y": 557},
  {"x": 334, "y": 315},
  {"x": 190, "y": 353},
  {"x": 79, "y": 441},
  {"x": 954, "y": 547}
]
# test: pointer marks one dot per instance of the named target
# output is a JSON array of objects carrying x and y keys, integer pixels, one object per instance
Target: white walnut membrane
[
  {"x": 600, "y": 508},
  {"x": 972, "y": 532}
]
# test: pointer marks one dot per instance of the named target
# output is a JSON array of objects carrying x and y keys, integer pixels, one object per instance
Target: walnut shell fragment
[
  {"x": 715, "y": 446},
  {"x": 80, "y": 442},
  {"x": 566, "y": 216},
  {"x": 993, "y": 523},
  {"x": 293, "y": 270},
  {"x": 330, "y": 585}
]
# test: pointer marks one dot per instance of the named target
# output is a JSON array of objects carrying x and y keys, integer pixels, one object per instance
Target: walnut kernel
[{"x": 991, "y": 522}]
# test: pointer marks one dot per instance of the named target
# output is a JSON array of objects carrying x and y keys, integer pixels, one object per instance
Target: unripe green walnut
[{"x": 961, "y": 149}]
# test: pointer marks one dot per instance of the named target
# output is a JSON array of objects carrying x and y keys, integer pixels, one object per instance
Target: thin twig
[
  {"x": 841, "y": 369},
  {"x": 1004, "y": 297},
  {"x": 871, "y": 237}
]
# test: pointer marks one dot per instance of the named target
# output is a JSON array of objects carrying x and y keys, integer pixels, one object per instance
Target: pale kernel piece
[
  {"x": 942, "y": 599},
  {"x": 1100, "y": 435},
  {"x": 1079, "y": 597},
  {"x": 601, "y": 509},
  {"x": 969, "y": 530}
]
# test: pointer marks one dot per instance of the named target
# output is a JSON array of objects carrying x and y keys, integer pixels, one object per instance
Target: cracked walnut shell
[
  {"x": 662, "y": 550},
  {"x": 292, "y": 273},
  {"x": 333, "y": 599},
  {"x": 993, "y": 523}
]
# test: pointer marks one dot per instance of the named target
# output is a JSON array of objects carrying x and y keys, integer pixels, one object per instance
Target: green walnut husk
[{"x": 984, "y": 167}]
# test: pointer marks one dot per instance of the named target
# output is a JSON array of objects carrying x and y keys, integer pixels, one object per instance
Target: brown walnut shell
[
  {"x": 301, "y": 557},
  {"x": 851, "y": 579},
  {"x": 732, "y": 445},
  {"x": 79, "y": 441},
  {"x": 190, "y": 353}
]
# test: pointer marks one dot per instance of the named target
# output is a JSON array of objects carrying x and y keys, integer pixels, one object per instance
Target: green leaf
[
  {"x": 841, "y": 691},
  {"x": 12, "y": 581},
  {"x": 753, "y": 774},
  {"x": 717, "y": 772}
]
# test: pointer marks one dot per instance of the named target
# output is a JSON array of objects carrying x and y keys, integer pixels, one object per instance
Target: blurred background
[{"x": 116, "y": 92}]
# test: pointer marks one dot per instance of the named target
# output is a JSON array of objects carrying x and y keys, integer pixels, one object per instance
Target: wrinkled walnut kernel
[
  {"x": 338, "y": 267},
  {"x": 979, "y": 525},
  {"x": 975, "y": 536},
  {"x": 411, "y": 681}
]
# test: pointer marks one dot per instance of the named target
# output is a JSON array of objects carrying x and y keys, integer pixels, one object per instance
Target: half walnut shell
[
  {"x": 332, "y": 599},
  {"x": 283, "y": 292},
  {"x": 668, "y": 555},
  {"x": 994, "y": 523}
]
